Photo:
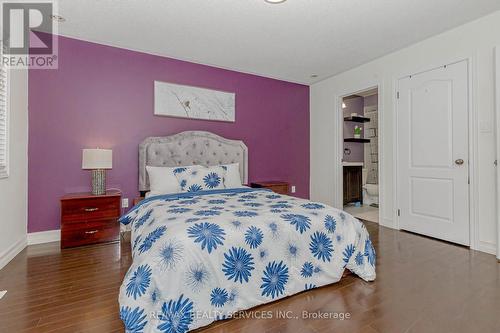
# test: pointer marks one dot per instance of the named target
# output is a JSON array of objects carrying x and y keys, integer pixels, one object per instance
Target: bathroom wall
[
  {"x": 371, "y": 132},
  {"x": 357, "y": 150}
]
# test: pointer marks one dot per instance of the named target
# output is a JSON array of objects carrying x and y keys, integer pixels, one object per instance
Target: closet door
[{"x": 433, "y": 159}]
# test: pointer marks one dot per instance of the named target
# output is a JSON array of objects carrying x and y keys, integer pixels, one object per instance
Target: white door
[{"x": 433, "y": 159}]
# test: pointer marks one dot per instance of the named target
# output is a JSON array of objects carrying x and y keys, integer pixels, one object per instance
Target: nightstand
[
  {"x": 90, "y": 219},
  {"x": 138, "y": 200},
  {"x": 278, "y": 187}
]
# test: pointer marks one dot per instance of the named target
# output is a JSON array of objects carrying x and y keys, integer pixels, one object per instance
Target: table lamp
[{"x": 97, "y": 160}]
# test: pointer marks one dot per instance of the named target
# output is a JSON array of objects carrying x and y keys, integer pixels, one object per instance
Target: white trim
[
  {"x": 497, "y": 114},
  {"x": 486, "y": 247},
  {"x": 12, "y": 251},
  {"x": 339, "y": 147},
  {"x": 475, "y": 244},
  {"x": 5, "y": 173},
  {"x": 395, "y": 147},
  {"x": 44, "y": 237}
]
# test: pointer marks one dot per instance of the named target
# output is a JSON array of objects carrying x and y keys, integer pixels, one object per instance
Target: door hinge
[
  {"x": 399, "y": 212},
  {"x": 397, "y": 95}
]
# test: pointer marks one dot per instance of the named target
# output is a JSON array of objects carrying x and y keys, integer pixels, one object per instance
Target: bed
[{"x": 205, "y": 256}]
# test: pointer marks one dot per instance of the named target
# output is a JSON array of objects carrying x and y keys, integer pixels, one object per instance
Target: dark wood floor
[{"x": 423, "y": 285}]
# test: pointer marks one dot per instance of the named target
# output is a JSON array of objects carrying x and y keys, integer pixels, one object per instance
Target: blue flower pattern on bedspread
[
  {"x": 208, "y": 234},
  {"x": 219, "y": 297},
  {"x": 152, "y": 238},
  {"x": 238, "y": 264},
  {"x": 139, "y": 282},
  {"x": 301, "y": 222},
  {"x": 176, "y": 315},
  {"x": 321, "y": 246},
  {"x": 274, "y": 279},
  {"x": 253, "y": 237},
  {"x": 133, "y": 320},
  {"x": 200, "y": 256}
]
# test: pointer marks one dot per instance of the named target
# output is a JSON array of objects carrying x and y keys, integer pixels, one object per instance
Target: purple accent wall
[
  {"x": 102, "y": 96},
  {"x": 371, "y": 100},
  {"x": 357, "y": 149}
]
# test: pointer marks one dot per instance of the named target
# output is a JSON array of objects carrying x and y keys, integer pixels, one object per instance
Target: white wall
[
  {"x": 497, "y": 103},
  {"x": 14, "y": 189},
  {"x": 475, "y": 40}
]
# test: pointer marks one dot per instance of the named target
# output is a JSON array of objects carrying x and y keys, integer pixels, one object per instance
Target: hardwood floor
[{"x": 423, "y": 285}]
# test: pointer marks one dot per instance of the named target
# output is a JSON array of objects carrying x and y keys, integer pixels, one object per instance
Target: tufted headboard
[{"x": 190, "y": 148}]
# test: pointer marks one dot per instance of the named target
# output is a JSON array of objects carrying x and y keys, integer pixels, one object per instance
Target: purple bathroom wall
[
  {"x": 371, "y": 100},
  {"x": 102, "y": 96},
  {"x": 357, "y": 151}
]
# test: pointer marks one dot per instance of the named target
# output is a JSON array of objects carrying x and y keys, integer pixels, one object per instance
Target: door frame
[
  {"x": 339, "y": 148},
  {"x": 472, "y": 143},
  {"x": 497, "y": 133}
]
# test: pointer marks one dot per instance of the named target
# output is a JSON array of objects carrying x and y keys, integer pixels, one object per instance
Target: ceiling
[{"x": 289, "y": 41}]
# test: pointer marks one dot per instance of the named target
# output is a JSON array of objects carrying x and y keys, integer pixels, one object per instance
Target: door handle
[{"x": 459, "y": 161}]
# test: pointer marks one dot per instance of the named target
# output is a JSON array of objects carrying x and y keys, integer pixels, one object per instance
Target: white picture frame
[{"x": 181, "y": 101}]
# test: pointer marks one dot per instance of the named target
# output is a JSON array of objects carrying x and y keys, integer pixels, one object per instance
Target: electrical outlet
[
  {"x": 125, "y": 203},
  {"x": 294, "y": 189}
]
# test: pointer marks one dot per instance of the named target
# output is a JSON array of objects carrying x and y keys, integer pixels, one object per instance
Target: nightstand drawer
[
  {"x": 275, "y": 186},
  {"x": 280, "y": 189},
  {"x": 84, "y": 233},
  {"x": 74, "y": 211}
]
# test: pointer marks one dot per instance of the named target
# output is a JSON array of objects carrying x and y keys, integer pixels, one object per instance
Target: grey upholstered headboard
[{"x": 190, "y": 148}]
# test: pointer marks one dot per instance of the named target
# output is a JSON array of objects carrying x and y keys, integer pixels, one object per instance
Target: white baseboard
[
  {"x": 486, "y": 247},
  {"x": 388, "y": 223},
  {"x": 44, "y": 237},
  {"x": 12, "y": 251}
]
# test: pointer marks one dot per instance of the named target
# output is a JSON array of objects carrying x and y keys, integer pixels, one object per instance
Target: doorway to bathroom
[{"x": 360, "y": 160}]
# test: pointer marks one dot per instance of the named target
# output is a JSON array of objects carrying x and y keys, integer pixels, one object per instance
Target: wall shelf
[
  {"x": 357, "y": 119},
  {"x": 357, "y": 140}
]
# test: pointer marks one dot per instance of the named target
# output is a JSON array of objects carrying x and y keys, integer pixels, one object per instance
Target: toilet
[{"x": 370, "y": 191}]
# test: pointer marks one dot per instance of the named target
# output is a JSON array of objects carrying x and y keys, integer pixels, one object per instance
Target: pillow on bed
[
  {"x": 162, "y": 180},
  {"x": 201, "y": 178},
  {"x": 232, "y": 178}
]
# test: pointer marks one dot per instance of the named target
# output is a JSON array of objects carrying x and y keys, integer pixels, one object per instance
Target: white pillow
[
  {"x": 233, "y": 178},
  {"x": 162, "y": 180},
  {"x": 201, "y": 178}
]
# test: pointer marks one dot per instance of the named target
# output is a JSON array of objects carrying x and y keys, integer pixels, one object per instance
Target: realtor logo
[{"x": 28, "y": 36}]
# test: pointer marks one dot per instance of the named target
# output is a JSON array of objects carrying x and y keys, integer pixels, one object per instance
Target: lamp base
[{"x": 98, "y": 182}]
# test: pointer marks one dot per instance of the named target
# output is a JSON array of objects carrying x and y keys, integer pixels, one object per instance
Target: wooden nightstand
[
  {"x": 278, "y": 187},
  {"x": 137, "y": 200},
  {"x": 89, "y": 219}
]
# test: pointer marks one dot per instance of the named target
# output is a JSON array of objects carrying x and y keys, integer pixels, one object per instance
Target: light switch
[
  {"x": 294, "y": 189},
  {"x": 125, "y": 203}
]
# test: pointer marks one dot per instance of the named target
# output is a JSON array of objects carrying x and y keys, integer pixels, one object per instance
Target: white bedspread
[{"x": 201, "y": 257}]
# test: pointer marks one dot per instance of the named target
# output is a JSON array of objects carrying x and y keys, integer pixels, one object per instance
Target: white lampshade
[{"x": 97, "y": 159}]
